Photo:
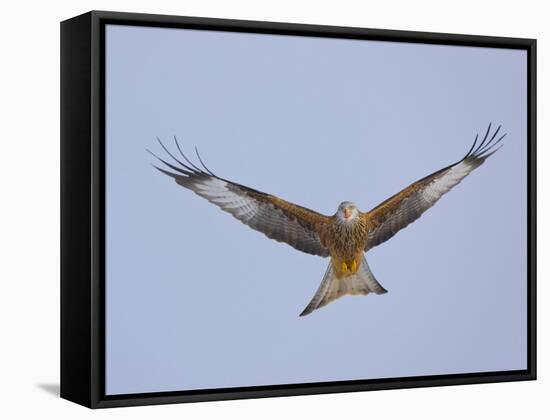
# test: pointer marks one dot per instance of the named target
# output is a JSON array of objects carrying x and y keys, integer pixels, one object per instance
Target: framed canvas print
[{"x": 254, "y": 209}]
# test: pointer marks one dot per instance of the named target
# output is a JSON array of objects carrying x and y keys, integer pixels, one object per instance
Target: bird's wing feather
[
  {"x": 408, "y": 205},
  {"x": 278, "y": 219}
]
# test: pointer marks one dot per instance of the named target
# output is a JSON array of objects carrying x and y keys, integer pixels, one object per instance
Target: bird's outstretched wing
[
  {"x": 278, "y": 219},
  {"x": 406, "y": 206}
]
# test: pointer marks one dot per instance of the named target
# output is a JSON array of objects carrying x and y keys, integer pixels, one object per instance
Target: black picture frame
[{"x": 83, "y": 220}]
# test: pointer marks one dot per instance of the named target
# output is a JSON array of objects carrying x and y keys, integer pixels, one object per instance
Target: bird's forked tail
[{"x": 361, "y": 283}]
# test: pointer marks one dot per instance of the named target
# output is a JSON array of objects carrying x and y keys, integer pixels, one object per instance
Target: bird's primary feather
[
  {"x": 278, "y": 219},
  {"x": 400, "y": 210}
]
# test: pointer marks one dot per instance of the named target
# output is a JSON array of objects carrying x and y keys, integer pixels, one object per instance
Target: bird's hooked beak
[{"x": 347, "y": 213}]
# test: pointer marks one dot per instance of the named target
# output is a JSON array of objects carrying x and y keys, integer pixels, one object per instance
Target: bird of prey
[{"x": 345, "y": 236}]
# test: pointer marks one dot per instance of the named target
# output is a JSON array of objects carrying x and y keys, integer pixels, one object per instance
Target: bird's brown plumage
[{"x": 346, "y": 243}]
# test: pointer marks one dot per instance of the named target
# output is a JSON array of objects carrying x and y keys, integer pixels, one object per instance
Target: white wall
[{"x": 29, "y": 177}]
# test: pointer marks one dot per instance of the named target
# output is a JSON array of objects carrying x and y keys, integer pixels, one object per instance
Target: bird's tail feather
[{"x": 361, "y": 283}]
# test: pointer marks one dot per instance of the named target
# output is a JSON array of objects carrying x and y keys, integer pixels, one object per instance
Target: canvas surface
[{"x": 195, "y": 300}]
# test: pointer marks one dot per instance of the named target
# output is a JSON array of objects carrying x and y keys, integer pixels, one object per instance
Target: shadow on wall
[{"x": 52, "y": 389}]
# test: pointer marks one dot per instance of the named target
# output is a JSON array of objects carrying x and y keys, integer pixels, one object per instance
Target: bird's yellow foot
[
  {"x": 344, "y": 268},
  {"x": 354, "y": 266}
]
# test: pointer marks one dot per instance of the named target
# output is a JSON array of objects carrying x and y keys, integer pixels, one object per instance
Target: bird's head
[{"x": 347, "y": 211}]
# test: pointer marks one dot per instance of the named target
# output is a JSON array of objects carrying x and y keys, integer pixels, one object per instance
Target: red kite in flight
[{"x": 344, "y": 236}]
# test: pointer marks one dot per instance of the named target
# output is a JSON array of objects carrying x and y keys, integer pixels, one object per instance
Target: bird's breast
[{"x": 346, "y": 241}]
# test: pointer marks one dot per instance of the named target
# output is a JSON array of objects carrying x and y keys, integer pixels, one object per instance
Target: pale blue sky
[{"x": 197, "y": 300}]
